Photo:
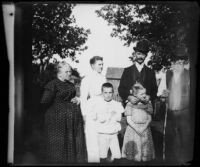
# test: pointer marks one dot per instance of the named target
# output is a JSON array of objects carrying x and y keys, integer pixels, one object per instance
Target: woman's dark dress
[{"x": 64, "y": 131}]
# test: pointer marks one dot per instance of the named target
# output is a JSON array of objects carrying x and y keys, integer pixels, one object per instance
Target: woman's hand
[{"x": 75, "y": 100}]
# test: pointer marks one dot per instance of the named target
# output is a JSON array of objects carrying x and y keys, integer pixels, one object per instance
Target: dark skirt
[{"x": 64, "y": 135}]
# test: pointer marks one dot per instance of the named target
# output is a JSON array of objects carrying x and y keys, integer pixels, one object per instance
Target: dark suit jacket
[{"x": 129, "y": 77}]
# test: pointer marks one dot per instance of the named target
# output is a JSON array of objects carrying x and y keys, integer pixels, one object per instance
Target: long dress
[
  {"x": 63, "y": 126},
  {"x": 91, "y": 87}
]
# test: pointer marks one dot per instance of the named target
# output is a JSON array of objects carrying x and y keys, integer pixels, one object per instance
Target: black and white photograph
[{"x": 104, "y": 84}]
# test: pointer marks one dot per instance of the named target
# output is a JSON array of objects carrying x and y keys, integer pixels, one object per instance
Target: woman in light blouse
[{"x": 91, "y": 87}]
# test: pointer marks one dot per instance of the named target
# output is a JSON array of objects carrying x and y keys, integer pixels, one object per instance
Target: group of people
[{"x": 83, "y": 129}]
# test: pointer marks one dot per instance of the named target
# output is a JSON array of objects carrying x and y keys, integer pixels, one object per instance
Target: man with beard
[{"x": 179, "y": 135}]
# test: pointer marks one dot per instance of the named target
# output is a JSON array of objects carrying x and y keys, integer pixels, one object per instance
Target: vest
[{"x": 139, "y": 76}]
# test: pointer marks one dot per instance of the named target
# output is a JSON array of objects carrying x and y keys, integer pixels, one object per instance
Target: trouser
[
  {"x": 179, "y": 144},
  {"x": 107, "y": 141}
]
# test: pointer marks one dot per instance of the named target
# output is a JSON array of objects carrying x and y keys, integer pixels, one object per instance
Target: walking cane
[{"x": 164, "y": 128}]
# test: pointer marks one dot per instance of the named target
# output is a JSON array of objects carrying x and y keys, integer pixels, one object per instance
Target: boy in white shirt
[{"x": 107, "y": 114}]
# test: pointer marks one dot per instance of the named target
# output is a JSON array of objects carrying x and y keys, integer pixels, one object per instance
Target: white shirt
[
  {"x": 162, "y": 86},
  {"x": 90, "y": 87},
  {"x": 139, "y": 66},
  {"x": 100, "y": 111}
]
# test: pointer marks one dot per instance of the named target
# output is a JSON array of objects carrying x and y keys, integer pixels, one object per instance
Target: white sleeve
[
  {"x": 102, "y": 117},
  {"x": 162, "y": 86},
  {"x": 90, "y": 108},
  {"x": 84, "y": 93}
]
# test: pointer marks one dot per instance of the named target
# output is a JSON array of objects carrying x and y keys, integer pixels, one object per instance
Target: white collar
[{"x": 139, "y": 66}]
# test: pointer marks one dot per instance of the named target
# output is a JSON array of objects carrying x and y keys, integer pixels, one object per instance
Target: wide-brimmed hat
[{"x": 142, "y": 46}]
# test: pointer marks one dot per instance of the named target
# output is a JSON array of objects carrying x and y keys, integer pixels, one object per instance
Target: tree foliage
[
  {"x": 165, "y": 25},
  {"x": 54, "y": 32},
  {"x": 41, "y": 78}
]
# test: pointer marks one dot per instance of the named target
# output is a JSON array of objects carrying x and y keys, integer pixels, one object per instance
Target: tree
[
  {"x": 54, "y": 32},
  {"x": 165, "y": 25}
]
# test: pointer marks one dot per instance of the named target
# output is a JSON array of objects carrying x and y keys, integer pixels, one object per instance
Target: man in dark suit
[{"x": 138, "y": 72}]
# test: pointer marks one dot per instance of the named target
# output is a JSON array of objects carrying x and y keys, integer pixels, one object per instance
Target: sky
[{"x": 99, "y": 41}]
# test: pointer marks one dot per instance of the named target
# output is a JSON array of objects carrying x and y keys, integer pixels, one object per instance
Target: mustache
[{"x": 139, "y": 59}]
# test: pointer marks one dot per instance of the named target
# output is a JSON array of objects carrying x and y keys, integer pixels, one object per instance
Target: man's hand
[
  {"x": 75, "y": 100},
  {"x": 133, "y": 99},
  {"x": 165, "y": 93}
]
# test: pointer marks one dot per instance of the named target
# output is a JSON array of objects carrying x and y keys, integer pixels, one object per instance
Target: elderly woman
[{"x": 64, "y": 132}]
